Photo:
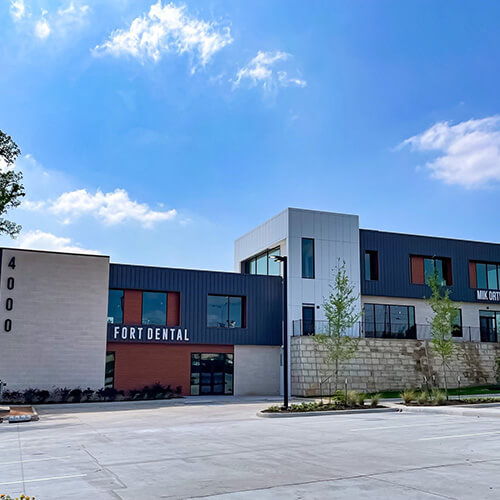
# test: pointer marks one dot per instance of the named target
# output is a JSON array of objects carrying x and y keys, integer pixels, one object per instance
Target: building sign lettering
[
  {"x": 126, "y": 333},
  {"x": 488, "y": 295}
]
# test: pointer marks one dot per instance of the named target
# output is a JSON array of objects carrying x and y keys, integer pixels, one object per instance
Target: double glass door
[
  {"x": 211, "y": 374},
  {"x": 489, "y": 324}
]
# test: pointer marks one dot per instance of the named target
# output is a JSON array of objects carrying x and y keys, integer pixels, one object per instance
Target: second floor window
[
  {"x": 486, "y": 276},
  {"x": 154, "y": 308},
  {"x": 422, "y": 268},
  {"x": 263, "y": 264},
  {"x": 371, "y": 265},
  {"x": 308, "y": 258},
  {"x": 115, "y": 306},
  {"x": 225, "y": 311}
]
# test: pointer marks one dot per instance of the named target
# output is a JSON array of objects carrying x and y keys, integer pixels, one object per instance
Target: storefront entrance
[
  {"x": 489, "y": 322},
  {"x": 211, "y": 374}
]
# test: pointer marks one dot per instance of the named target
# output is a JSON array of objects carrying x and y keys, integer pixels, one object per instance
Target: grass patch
[{"x": 464, "y": 391}]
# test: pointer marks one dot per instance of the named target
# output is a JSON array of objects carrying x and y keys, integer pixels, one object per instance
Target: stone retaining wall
[{"x": 390, "y": 364}]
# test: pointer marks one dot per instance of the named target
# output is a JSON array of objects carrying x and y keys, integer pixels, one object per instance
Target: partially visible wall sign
[
  {"x": 155, "y": 334},
  {"x": 488, "y": 295}
]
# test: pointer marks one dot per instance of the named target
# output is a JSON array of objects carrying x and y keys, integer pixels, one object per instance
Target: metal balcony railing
[{"x": 395, "y": 330}]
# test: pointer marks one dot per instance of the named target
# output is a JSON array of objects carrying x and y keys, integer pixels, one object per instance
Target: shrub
[
  {"x": 360, "y": 399},
  {"x": 375, "y": 400},
  {"x": 352, "y": 398},
  {"x": 438, "y": 397},
  {"x": 423, "y": 398},
  {"x": 408, "y": 396},
  {"x": 88, "y": 394},
  {"x": 75, "y": 396}
]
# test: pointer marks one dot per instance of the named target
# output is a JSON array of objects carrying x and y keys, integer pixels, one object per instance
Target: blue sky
[{"x": 157, "y": 133}]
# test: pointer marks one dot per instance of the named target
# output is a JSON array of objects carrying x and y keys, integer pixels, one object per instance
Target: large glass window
[
  {"x": 154, "y": 308},
  {"x": 308, "y": 258},
  {"x": 439, "y": 266},
  {"x": 263, "y": 264},
  {"x": 487, "y": 276},
  {"x": 389, "y": 321},
  {"x": 457, "y": 325},
  {"x": 225, "y": 311},
  {"x": 115, "y": 306},
  {"x": 308, "y": 320},
  {"x": 109, "y": 380},
  {"x": 211, "y": 374}
]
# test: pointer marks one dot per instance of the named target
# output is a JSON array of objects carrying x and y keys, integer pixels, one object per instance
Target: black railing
[{"x": 394, "y": 331}]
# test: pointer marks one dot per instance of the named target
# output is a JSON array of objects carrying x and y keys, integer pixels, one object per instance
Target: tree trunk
[{"x": 444, "y": 379}]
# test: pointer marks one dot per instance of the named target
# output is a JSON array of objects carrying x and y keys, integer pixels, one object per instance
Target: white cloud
[
  {"x": 17, "y": 9},
  {"x": 42, "y": 27},
  {"x": 40, "y": 240},
  {"x": 260, "y": 71},
  {"x": 468, "y": 153},
  {"x": 111, "y": 208},
  {"x": 167, "y": 28}
]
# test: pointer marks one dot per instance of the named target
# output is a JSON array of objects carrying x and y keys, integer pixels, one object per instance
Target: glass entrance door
[
  {"x": 211, "y": 374},
  {"x": 488, "y": 323}
]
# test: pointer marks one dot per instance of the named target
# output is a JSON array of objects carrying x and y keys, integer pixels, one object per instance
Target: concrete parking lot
[{"x": 221, "y": 450}]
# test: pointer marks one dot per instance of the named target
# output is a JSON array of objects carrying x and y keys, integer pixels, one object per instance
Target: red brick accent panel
[
  {"x": 472, "y": 274},
  {"x": 132, "y": 307},
  {"x": 137, "y": 365},
  {"x": 173, "y": 309},
  {"x": 417, "y": 270}
]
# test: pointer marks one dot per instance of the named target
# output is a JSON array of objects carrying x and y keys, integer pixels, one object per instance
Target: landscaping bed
[
  {"x": 437, "y": 397},
  {"x": 17, "y": 412},
  {"x": 339, "y": 402}
]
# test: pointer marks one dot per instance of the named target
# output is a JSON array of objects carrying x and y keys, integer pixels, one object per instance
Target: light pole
[{"x": 283, "y": 260}]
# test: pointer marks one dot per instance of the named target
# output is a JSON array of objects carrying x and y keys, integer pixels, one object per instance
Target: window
[
  {"x": 109, "y": 380},
  {"x": 211, "y": 374},
  {"x": 487, "y": 276},
  {"x": 489, "y": 325},
  {"x": 307, "y": 320},
  {"x": 115, "y": 306},
  {"x": 154, "y": 308},
  {"x": 389, "y": 321},
  {"x": 422, "y": 268},
  {"x": 308, "y": 258},
  {"x": 457, "y": 325},
  {"x": 371, "y": 265},
  {"x": 263, "y": 264},
  {"x": 225, "y": 311}
]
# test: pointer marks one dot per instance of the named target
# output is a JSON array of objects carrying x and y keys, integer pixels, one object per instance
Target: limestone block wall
[{"x": 390, "y": 364}]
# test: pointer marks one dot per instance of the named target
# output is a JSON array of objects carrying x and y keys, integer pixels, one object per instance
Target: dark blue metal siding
[
  {"x": 394, "y": 252},
  {"x": 263, "y": 300}
]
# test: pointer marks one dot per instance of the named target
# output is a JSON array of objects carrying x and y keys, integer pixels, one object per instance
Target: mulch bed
[{"x": 17, "y": 411}]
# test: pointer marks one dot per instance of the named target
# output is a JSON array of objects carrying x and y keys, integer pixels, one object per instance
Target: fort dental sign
[
  {"x": 488, "y": 295},
  {"x": 120, "y": 333}
]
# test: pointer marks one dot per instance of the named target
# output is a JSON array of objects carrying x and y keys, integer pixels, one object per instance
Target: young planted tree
[
  {"x": 11, "y": 188},
  {"x": 342, "y": 314},
  {"x": 442, "y": 323}
]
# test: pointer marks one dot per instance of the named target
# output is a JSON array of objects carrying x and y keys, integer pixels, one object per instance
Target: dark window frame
[
  {"x": 243, "y": 311},
  {"x": 199, "y": 384},
  {"x": 313, "y": 258},
  {"x": 246, "y": 264},
  {"x": 373, "y": 258},
  {"x": 309, "y": 307},
  {"x": 458, "y": 330},
  {"x": 486, "y": 263},
  {"x": 411, "y": 332},
  {"x": 448, "y": 279},
  {"x": 123, "y": 304}
]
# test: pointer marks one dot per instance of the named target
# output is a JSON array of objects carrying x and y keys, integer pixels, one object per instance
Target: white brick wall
[{"x": 58, "y": 336}]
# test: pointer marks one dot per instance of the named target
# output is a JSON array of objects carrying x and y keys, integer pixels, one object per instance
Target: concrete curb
[
  {"x": 459, "y": 410},
  {"x": 320, "y": 413}
]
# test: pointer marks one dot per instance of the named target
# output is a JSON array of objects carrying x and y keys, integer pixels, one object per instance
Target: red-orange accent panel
[
  {"x": 137, "y": 365},
  {"x": 417, "y": 270},
  {"x": 173, "y": 309},
  {"x": 473, "y": 274},
  {"x": 132, "y": 307}
]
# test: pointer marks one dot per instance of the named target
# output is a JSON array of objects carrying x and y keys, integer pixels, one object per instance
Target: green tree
[
  {"x": 11, "y": 188},
  {"x": 342, "y": 314},
  {"x": 442, "y": 323}
]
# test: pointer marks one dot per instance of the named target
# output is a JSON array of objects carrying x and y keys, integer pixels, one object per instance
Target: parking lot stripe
[
  {"x": 53, "y": 478},
  {"x": 390, "y": 427},
  {"x": 455, "y": 436},
  {"x": 33, "y": 460}
]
